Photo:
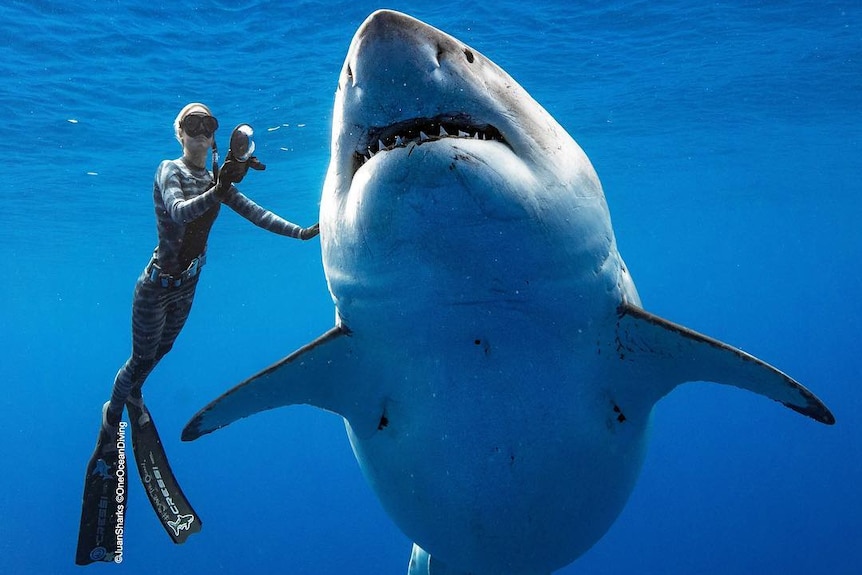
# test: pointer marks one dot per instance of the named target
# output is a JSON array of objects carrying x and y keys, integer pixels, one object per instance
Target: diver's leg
[
  {"x": 179, "y": 306},
  {"x": 149, "y": 316}
]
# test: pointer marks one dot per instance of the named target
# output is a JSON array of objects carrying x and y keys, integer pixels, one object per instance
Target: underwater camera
[
  {"x": 242, "y": 147},
  {"x": 240, "y": 150}
]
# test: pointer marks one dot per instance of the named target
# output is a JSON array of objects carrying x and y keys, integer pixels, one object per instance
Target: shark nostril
[{"x": 469, "y": 55}]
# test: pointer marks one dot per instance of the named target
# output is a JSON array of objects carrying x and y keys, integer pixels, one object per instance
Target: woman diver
[{"x": 187, "y": 199}]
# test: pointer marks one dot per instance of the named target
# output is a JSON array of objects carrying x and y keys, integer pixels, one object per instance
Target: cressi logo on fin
[{"x": 182, "y": 523}]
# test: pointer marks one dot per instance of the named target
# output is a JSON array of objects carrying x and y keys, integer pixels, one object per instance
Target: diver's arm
[
  {"x": 264, "y": 218},
  {"x": 180, "y": 209}
]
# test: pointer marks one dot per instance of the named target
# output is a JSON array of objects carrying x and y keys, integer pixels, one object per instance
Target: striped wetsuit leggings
[{"x": 158, "y": 315}]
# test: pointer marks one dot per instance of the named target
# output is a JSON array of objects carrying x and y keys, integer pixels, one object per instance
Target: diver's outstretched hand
[{"x": 308, "y": 233}]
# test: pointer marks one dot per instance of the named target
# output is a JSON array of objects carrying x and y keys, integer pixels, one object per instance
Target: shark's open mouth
[{"x": 421, "y": 130}]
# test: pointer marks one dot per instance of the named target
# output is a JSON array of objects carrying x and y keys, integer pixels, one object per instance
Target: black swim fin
[
  {"x": 170, "y": 504},
  {"x": 103, "y": 507}
]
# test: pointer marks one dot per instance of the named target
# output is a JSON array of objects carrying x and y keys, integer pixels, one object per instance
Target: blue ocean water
[{"x": 728, "y": 137}]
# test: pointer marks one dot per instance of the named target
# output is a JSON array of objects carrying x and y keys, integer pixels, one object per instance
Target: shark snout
[
  {"x": 386, "y": 24},
  {"x": 399, "y": 70},
  {"x": 401, "y": 51}
]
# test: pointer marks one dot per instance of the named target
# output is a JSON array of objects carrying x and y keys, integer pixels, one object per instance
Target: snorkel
[{"x": 215, "y": 160}]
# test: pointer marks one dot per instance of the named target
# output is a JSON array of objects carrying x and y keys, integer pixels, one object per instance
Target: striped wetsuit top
[{"x": 186, "y": 207}]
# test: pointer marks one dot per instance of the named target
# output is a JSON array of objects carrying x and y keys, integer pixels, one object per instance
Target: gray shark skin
[{"x": 490, "y": 355}]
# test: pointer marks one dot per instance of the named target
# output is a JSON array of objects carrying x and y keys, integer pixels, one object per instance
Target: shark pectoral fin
[
  {"x": 315, "y": 374},
  {"x": 695, "y": 357}
]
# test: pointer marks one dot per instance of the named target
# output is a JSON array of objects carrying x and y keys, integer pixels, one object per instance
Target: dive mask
[{"x": 197, "y": 124}]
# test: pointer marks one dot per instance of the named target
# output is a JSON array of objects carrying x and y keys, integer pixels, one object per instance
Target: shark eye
[{"x": 469, "y": 55}]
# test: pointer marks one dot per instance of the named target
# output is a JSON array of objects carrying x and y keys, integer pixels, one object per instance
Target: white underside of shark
[{"x": 490, "y": 356}]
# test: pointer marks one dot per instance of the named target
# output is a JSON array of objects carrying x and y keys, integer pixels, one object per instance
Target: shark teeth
[{"x": 422, "y": 130}]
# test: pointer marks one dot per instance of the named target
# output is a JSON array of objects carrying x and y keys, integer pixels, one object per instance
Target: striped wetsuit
[{"x": 186, "y": 207}]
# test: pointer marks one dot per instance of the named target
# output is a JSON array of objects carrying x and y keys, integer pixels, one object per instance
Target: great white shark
[{"x": 490, "y": 355}]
